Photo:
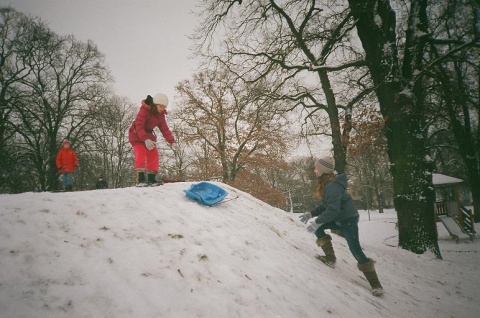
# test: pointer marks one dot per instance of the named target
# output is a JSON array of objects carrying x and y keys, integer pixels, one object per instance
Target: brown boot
[
  {"x": 325, "y": 244},
  {"x": 368, "y": 270}
]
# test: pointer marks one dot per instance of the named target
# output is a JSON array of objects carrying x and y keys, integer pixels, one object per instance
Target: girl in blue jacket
[{"x": 338, "y": 212}]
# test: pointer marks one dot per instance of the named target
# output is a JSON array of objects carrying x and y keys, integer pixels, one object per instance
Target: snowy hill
[{"x": 151, "y": 252}]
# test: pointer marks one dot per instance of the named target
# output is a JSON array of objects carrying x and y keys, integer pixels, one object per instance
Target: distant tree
[
  {"x": 15, "y": 43},
  {"x": 230, "y": 127},
  {"x": 265, "y": 177},
  {"x": 66, "y": 79},
  {"x": 106, "y": 150},
  {"x": 175, "y": 165},
  {"x": 304, "y": 46},
  {"x": 370, "y": 173},
  {"x": 300, "y": 184}
]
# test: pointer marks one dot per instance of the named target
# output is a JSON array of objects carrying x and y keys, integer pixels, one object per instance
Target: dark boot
[
  {"x": 152, "y": 181},
  {"x": 141, "y": 182},
  {"x": 325, "y": 244},
  {"x": 69, "y": 188},
  {"x": 368, "y": 270}
]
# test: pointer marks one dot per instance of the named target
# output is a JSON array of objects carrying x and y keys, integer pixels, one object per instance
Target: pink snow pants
[{"x": 146, "y": 159}]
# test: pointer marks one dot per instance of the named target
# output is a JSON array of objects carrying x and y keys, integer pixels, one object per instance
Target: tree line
[{"x": 56, "y": 87}]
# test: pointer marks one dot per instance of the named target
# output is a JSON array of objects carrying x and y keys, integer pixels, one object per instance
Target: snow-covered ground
[{"x": 151, "y": 252}]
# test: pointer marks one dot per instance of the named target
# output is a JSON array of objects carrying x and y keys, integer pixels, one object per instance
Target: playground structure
[{"x": 457, "y": 219}]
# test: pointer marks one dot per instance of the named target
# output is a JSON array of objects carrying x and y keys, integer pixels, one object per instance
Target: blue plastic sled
[{"x": 206, "y": 193}]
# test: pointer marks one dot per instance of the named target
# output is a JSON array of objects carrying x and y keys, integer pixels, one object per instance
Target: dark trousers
[{"x": 349, "y": 230}]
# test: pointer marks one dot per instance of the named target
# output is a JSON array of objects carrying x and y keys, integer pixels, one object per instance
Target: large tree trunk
[
  {"x": 412, "y": 182},
  {"x": 403, "y": 114}
]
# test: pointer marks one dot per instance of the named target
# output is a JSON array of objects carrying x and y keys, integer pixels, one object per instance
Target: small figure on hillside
[
  {"x": 338, "y": 212},
  {"x": 67, "y": 162},
  {"x": 143, "y": 140},
  {"x": 101, "y": 183}
]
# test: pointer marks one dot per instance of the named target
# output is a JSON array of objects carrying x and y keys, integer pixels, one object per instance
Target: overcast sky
[{"x": 145, "y": 41}]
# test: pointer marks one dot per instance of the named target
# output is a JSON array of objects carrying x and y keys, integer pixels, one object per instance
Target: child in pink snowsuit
[{"x": 143, "y": 139}]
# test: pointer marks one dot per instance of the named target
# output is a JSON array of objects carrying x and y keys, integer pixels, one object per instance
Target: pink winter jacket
[{"x": 143, "y": 125}]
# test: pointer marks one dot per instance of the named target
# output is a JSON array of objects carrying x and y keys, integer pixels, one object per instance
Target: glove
[
  {"x": 305, "y": 217},
  {"x": 312, "y": 225},
  {"x": 174, "y": 147},
  {"x": 61, "y": 170},
  {"x": 150, "y": 144}
]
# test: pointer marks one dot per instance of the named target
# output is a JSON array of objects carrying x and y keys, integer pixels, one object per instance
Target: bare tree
[
  {"x": 269, "y": 39},
  {"x": 399, "y": 74},
  {"x": 15, "y": 43},
  {"x": 303, "y": 45},
  {"x": 299, "y": 184},
  {"x": 397, "y": 92},
  {"x": 371, "y": 178},
  {"x": 106, "y": 150},
  {"x": 66, "y": 78},
  {"x": 231, "y": 126},
  {"x": 454, "y": 101},
  {"x": 175, "y": 165}
]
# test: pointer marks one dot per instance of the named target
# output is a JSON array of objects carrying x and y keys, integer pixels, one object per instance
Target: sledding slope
[{"x": 152, "y": 252}]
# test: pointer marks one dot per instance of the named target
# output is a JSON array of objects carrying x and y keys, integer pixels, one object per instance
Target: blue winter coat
[{"x": 337, "y": 205}]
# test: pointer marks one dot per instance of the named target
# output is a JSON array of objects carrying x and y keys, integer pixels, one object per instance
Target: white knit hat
[
  {"x": 325, "y": 165},
  {"x": 161, "y": 99}
]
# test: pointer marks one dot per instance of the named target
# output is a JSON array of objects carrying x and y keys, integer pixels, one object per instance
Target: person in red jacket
[
  {"x": 67, "y": 161},
  {"x": 143, "y": 139}
]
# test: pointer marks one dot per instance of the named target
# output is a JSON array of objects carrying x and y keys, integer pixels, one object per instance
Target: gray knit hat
[{"x": 325, "y": 165}]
